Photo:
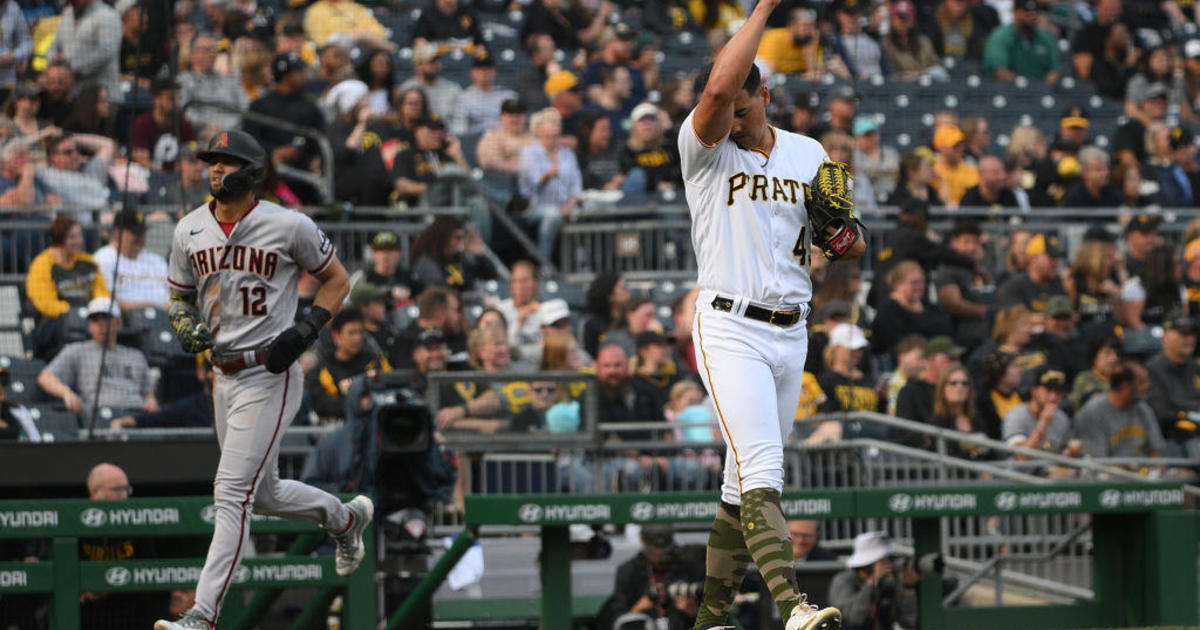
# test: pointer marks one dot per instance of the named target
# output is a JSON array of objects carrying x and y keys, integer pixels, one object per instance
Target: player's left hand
[{"x": 827, "y": 198}]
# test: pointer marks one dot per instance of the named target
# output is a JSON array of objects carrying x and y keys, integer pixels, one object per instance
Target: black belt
[
  {"x": 783, "y": 319},
  {"x": 237, "y": 365}
]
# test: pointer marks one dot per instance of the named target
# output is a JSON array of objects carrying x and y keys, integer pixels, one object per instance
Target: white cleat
[
  {"x": 806, "y": 616},
  {"x": 350, "y": 550},
  {"x": 189, "y": 621}
]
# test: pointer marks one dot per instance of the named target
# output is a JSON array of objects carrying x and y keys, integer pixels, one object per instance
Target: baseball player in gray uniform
[
  {"x": 233, "y": 274},
  {"x": 746, "y": 186}
]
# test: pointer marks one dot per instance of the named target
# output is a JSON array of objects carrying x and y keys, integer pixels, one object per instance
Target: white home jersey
[
  {"x": 246, "y": 282},
  {"x": 749, "y": 225}
]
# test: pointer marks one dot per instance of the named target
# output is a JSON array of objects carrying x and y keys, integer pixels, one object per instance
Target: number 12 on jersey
[{"x": 254, "y": 300}]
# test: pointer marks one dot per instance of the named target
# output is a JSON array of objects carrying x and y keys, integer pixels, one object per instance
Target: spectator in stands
[
  {"x": 979, "y": 138},
  {"x": 1103, "y": 355},
  {"x": 500, "y": 149},
  {"x": 21, "y": 120},
  {"x": 359, "y": 173},
  {"x": 650, "y": 163},
  {"x": 1119, "y": 423},
  {"x": 1039, "y": 281},
  {"x": 615, "y": 51},
  {"x": 796, "y": 48},
  {"x": 19, "y": 186},
  {"x": 396, "y": 131},
  {"x": 385, "y": 271},
  {"x": 916, "y": 399},
  {"x": 203, "y": 82},
  {"x": 566, "y": 97},
  {"x": 57, "y": 92},
  {"x": 72, "y": 375},
  {"x": 372, "y": 303},
  {"x": 328, "y": 381},
  {"x": 861, "y": 54},
  {"x": 1179, "y": 182},
  {"x": 16, "y": 45},
  {"x": 91, "y": 113},
  {"x": 143, "y": 279},
  {"x": 1093, "y": 279},
  {"x": 845, "y": 385},
  {"x": 1074, "y": 126},
  {"x": 997, "y": 376},
  {"x": 683, "y": 312},
  {"x": 88, "y": 39},
  {"x": 908, "y": 52},
  {"x": 607, "y": 297},
  {"x": 189, "y": 187},
  {"x": 641, "y": 584},
  {"x": 438, "y": 308},
  {"x": 1022, "y": 48},
  {"x": 910, "y": 362},
  {"x": 1141, "y": 237},
  {"x": 378, "y": 71},
  {"x": 654, "y": 371},
  {"x": 1093, "y": 189},
  {"x": 448, "y": 24},
  {"x": 346, "y": 21},
  {"x": 1156, "y": 68},
  {"x": 954, "y": 409},
  {"x": 910, "y": 241},
  {"x": 905, "y": 312},
  {"x": 1090, "y": 41},
  {"x": 486, "y": 406},
  {"x": 288, "y": 101},
  {"x": 619, "y": 400},
  {"x": 333, "y": 67},
  {"x": 992, "y": 191},
  {"x": 957, "y": 31},
  {"x": 953, "y": 176},
  {"x": 483, "y": 99},
  {"x": 966, "y": 294},
  {"x": 16, "y": 423},
  {"x": 598, "y": 155},
  {"x": 871, "y": 593},
  {"x": 549, "y": 178},
  {"x": 1116, "y": 62},
  {"x": 636, "y": 318},
  {"x": 1040, "y": 423},
  {"x": 1149, "y": 298},
  {"x": 611, "y": 98},
  {"x": 1129, "y": 141},
  {"x": 138, "y": 62},
  {"x": 154, "y": 143},
  {"x": 1174, "y": 395},
  {"x": 448, "y": 254},
  {"x": 803, "y": 114},
  {"x": 418, "y": 170},
  {"x": 570, "y": 25},
  {"x": 880, "y": 162},
  {"x": 914, "y": 183},
  {"x": 843, "y": 107},
  {"x": 445, "y": 96},
  {"x": 78, "y": 181},
  {"x": 1191, "y": 275},
  {"x": 521, "y": 310},
  {"x": 531, "y": 86},
  {"x": 194, "y": 410},
  {"x": 61, "y": 277}
]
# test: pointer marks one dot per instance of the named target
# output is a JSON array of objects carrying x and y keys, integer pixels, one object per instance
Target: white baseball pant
[
  {"x": 754, "y": 373},
  {"x": 251, "y": 409}
]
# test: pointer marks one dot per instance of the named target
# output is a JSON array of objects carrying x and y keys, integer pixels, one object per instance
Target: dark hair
[
  {"x": 837, "y": 284},
  {"x": 1121, "y": 375},
  {"x": 432, "y": 300},
  {"x": 909, "y": 163},
  {"x": 84, "y": 118},
  {"x": 364, "y": 71},
  {"x": 396, "y": 100},
  {"x": 345, "y": 316},
  {"x": 622, "y": 322},
  {"x": 1158, "y": 276},
  {"x": 585, "y": 130},
  {"x": 432, "y": 240},
  {"x": 1099, "y": 343},
  {"x": 59, "y": 228},
  {"x": 751, "y": 85},
  {"x": 597, "y": 295}
]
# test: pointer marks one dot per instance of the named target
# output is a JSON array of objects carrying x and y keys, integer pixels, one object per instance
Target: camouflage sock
[
  {"x": 770, "y": 544},
  {"x": 725, "y": 566}
]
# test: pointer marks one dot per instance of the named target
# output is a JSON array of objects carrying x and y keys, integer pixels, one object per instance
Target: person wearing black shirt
[
  {"x": 599, "y": 157},
  {"x": 1093, "y": 189},
  {"x": 385, "y": 271},
  {"x": 915, "y": 400},
  {"x": 908, "y": 241},
  {"x": 289, "y": 102},
  {"x": 642, "y": 582},
  {"x": 1088, "y": 44},
  {"x": 531, "y": 86},
  {"x": 446, "y": 22},
  {"x": 846, "y": 387},
  {"x": 57, "y": 100},
  {"x": 372, "y": 303},
  {"x": 438, "y": 308},
  {"x": 620, "y": 401},
  {"x": 417, "y": 167},
  {"x": 905, "y": 312},
  {"x": 360, "y": 177},
  {"x": 1174, "y": 395},
  {"x": 992, "y": 191},
  {"x": 1129, "y": 142},
  {"x": 1039, "y": 281},
  {"x": 1141, "y": 237},
  {"x": 966, "y": 294},
  {"x": 328, "y": 381},
  {"x": 650, "y": 165}
]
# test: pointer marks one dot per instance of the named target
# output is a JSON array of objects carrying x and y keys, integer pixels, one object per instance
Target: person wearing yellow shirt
[
  {"x": 952, "y": 176},
  {"x": 345, "y": 18},
  {"x": 795, "y": 48},
  {"x": 62, "y": 277}
]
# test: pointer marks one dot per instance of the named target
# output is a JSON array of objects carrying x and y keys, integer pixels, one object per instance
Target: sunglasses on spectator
[
  {"x": 544, "y": 390},
  {"x": 68, "y": 150}
]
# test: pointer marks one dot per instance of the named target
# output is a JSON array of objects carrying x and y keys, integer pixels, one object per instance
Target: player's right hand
[
  {"x": 72, "y": 402},
  {"x": 196, "y": 339}
]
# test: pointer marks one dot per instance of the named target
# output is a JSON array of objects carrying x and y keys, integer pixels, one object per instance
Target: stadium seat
[
  {"x": 56, "y": 423},
  {"x": 24, "y": 372},
  {"x": 10, "y": 306}
]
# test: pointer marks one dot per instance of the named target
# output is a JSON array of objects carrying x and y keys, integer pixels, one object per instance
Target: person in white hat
[
  {"x": 650, "y": 165},
  {"x": 846, "y": 387},
  {"x": 71, "y": 376},
  {"x": 869, "y": 592}
]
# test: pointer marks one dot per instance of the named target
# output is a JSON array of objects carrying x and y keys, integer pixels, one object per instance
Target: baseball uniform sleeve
[
  {"x": 311, "y": 249},
  {"x": 696, "y": 158},
  {"x": 180, "y": 275}
]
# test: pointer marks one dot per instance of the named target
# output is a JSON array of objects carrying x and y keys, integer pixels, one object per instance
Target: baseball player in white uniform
[
  {"x": 233, "y": 273},
  {"x": 744, "y": 182}
]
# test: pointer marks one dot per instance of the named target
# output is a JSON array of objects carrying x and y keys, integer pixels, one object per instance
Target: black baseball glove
[
  {"x": 828, "y": 198},
  {"x": 292, "y": 343}
]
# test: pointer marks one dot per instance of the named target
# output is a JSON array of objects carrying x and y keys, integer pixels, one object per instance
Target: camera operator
[
  {"x": 661, "y": 582},
  {"x": 873, "y": 593}
]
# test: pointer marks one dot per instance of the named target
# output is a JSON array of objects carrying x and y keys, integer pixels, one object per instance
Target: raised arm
[{"x": 714, "y": 112}]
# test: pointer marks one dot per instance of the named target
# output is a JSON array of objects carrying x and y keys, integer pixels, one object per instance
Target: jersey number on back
[
  {"x": 254, "y": 300},
  {"x": 801, "y": 250}
]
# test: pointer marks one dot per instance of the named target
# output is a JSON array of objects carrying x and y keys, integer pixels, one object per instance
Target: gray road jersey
[{"x": 246, "y": 284}]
